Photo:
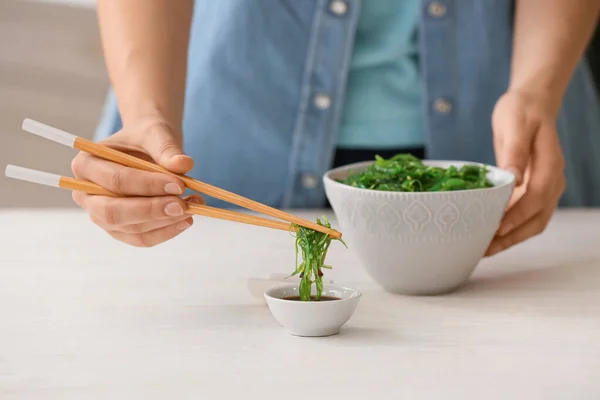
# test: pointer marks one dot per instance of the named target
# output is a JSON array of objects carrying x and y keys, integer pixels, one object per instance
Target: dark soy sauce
[{"x": 312, "y": 298}]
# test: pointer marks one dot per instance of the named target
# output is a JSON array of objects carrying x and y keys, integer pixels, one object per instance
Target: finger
[
  {"x": 162, "y": 145},
  {"x": 150, "y": 225},
  {"x": 130, "y": 210},
  {"x": 125, "y": 181},
  {"x": 516, "y": 195},
  {"x": 195, "y": 198},
  {"x": 532, "y": 227},
  {"x": 546, "y": 173},
  {"x": 143, "y": 227},
  {"x": 152, "y": 238},
  {"x": 513, "y": 142}
]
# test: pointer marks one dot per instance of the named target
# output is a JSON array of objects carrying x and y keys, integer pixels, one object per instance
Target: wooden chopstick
[
  {"x": 128, "y": 160},
  {"x": 233, "y": 216},
  {"x": 68, "y": 183}
]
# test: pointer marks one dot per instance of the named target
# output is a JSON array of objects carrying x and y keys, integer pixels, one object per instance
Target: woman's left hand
[{"x": 526, "y": 143}]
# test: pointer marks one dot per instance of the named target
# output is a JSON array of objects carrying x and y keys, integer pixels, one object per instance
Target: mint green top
[{"x": 383, "y": 99}]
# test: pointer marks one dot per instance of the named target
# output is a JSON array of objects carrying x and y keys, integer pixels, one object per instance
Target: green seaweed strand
[{"x": 313, "y": 246}]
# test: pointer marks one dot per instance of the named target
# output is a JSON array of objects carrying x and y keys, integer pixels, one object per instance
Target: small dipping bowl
[{"x": 312, "y": 318}]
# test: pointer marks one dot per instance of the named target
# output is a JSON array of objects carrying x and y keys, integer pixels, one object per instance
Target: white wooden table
[{"x": 85, "y": 317}]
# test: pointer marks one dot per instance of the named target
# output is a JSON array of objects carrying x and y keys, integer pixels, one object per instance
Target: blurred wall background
[{"x": 51, "y": 70}]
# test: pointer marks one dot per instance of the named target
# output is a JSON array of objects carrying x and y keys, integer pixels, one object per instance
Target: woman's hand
[
  {"x": 153, "y": 212},
  {"x": 526, "y": 143}
]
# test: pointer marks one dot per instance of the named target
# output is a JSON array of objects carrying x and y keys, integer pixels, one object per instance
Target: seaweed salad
[
  {"x": 406, "y": 173},
  {"x": 313, "y": 247}
]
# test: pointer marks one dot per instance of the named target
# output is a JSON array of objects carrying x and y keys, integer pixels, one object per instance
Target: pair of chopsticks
[{"x": 109, "y": 154}]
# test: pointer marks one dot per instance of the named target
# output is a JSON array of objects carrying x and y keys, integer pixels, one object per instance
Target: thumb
[
  {"x": 513, "y": 156},
  {"x": 165, "y": 148},
  {"x": 513, "y": 145}
]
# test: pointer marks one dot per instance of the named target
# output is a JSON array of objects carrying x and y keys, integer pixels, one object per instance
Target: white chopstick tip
[
  {"x": 32, "y": 175},
  {"x": 8, "y": 171},
  {"x": 12, "y": 171},
  {"x": 48, "y": 132}
]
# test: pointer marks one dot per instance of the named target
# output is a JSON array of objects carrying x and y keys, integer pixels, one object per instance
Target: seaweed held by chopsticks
[
  {"x": 313, "y": 247},
  {"x": 406, "y": 173}
]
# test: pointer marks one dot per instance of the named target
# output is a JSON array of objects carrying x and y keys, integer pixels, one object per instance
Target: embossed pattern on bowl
[{"x": 422, "y": 242}]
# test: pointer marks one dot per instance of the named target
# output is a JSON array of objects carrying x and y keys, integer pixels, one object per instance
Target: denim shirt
[
  {"x": 382, "y": 104},
  {"x": 266, "y": 84}
]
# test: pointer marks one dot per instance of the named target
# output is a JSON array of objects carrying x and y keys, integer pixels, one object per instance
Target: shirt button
[
  {"x": 436, "y": 9},
  {"x": 338, "y": 7},
  {"x": 442, "y": 106},
  {"x": 309, "y": 181},
  {"x": 322, "y": 101}
]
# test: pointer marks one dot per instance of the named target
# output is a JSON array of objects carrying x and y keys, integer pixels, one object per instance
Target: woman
[{"x": 264, "y": 96}]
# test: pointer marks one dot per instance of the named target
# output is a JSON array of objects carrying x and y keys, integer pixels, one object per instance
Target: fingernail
[
  {"x": 173, "y": 188},
  {"x": 183, "y": 225},
  {"x": 173, "y": 210},
  {"x": 505, "y": 229}
]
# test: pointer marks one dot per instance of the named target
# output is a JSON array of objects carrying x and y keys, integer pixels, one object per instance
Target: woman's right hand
[{"x": 152, "y": 212}]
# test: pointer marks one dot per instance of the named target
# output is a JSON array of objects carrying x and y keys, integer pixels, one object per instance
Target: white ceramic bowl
[
  {"x": 314, "y": 318},
  {"x": 420, "y": 243}
]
